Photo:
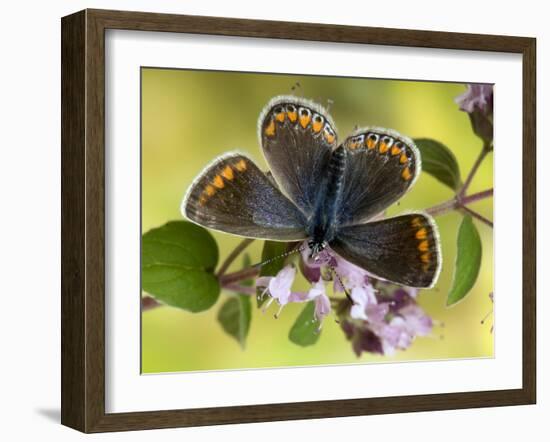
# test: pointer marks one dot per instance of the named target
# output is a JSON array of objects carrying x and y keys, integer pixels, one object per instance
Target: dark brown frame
[{"x": 83, "y": 215}]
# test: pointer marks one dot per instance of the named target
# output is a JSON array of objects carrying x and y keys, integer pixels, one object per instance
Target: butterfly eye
[{"x": 317, "y": 123}]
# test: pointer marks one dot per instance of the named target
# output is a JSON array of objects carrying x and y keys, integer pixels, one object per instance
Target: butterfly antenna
[
  {"x": 346, "y": 291},
  {"x": 281, "y": 256},
  {"x": 296, "y": 87}
]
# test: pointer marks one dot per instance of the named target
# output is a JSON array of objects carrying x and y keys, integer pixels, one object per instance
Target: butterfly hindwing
[
  {"x": 234, "y": 196},
  {"x": 297, "y": 137},
  {"x": 404, "y": 249},
  {"x": 382, "y": 166}
]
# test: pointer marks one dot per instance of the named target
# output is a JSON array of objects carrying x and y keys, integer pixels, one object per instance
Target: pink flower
[
  {"x": 477, "y": 96},
  {"x": 478, "y": 102},
  {"x": 383, "y": 317},
  {"x": 322, "y": 302},
  {"x": 363, "y": 298},
  {"x": 279, "y": 288},
  {"x": 386, "y": 320}
]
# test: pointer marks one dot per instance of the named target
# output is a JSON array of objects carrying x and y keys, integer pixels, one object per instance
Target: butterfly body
[
  {"x": 323, "y": 224},
  {"x": 324, "y": 192}
]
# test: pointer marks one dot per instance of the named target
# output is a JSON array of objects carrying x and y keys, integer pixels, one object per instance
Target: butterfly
[{"x": 322, "y": 191}]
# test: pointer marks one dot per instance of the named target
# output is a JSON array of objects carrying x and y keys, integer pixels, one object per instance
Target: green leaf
[
  {"x": 190, "y": 289},
  {"x": 271, "y": 249},
  {"x": 235, "y": 316},
  {"x": 468, "y": 261},
  {"x": 305, "y": 330},
  {"x": 180, "y": 243},
  {"x": 178, "y": 260},
  {"x": 439, "y": 161}
]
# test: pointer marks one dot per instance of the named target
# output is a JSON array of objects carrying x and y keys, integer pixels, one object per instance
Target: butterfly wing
[
  {"x": 234, "y": 196},
  {"x": 404, "y": 249},
  {"x": 297, "y": 137},
  {"x": 381, "y": 167}
]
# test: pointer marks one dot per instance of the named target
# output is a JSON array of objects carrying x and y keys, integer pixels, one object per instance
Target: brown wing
[
  {"x": 297, "y": 137},
  {"x": 382, "y": 166}
]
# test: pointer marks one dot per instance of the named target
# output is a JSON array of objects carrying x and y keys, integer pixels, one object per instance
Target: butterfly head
[{"x": 316, "y": 248}]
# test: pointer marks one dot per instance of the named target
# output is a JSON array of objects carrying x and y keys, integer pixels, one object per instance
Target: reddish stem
[
  {"x": 233, "y": 255},
  {"x": 484, "y": 152},
  {"x": 458, "y": 202}
]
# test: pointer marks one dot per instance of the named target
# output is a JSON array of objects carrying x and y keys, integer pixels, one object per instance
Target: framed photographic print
[{"x": 268, "y": 220}]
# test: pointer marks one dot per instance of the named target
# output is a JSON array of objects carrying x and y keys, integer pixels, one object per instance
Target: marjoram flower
[
  {"x": 279, "y": 289},
  {"x": 477, "y": 101},
  {"x": 389, "y": 321},
  {"x": 382, "y": 318}
]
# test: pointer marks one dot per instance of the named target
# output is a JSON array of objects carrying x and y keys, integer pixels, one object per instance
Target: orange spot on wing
[
  {"x": 383, "y": 147},
  {"x": 422, "y": 233},
  {"x": 371, "y": 143},
  {"x": 406, "y": 174},
  {"x": 329, "y": 137},
  {"x": 424, "y": 246},
  {"x": 416, "y": 222},
  {"x": 218, "y": 182},
  {"x": 227, "y": 173},
  {"x": 270, "y": 129},
  {"x": 280, "y": 117},
  {"x": 241, "y": 166},
  {"x": 317, "y": 126},
  {"x": 395, "y": 150},
  {"x": 403, "y": 158},
  {"x": 304, "y": 120},
  {"x": 292, "y": 116},
  {"x": 210, "y": 190},
  {"x": 425, "y": 257}
]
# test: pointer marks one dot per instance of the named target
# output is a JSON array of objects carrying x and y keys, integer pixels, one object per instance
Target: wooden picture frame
[{"x": 83, "y": 220}]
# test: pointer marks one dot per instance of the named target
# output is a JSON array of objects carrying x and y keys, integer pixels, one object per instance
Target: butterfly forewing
[
  {"x": 234, "y": 196},
  {"x": 404, "y": 249},
  {"x": 297, "y": 138},
  {"x": 382, "y": 165}
]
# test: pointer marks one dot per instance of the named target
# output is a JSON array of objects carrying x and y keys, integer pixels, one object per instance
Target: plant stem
[
  {"x": 240, "y": 275},
  {"x": 239, "y": 288},
  {"x": 484, "y": 152},
  {"x": 476, "y": 196},
  {"x": 233, "y": 255},
  {"x": 148, "y": 303},
  {"x": 477, "y": 216},
  {"x": 442, "y": 208},
  {"x": 458, "y": 202}
]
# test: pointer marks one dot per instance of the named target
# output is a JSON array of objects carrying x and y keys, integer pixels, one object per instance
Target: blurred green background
[{"x": 190, "y": 117}]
